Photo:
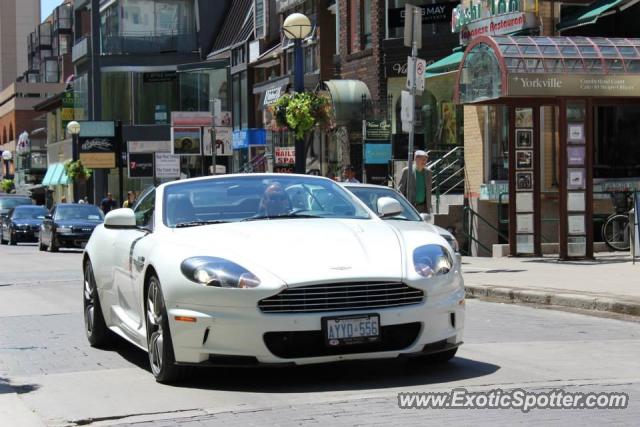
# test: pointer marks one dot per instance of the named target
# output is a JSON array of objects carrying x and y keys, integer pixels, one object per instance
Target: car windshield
[
  {"x": 12, "y": 202},
  {"x": 248, "y": 198},
  {"x": 370, "y": 196},
  {"x": 79, "y": 213},
  {"x": 27, "y": 212}
]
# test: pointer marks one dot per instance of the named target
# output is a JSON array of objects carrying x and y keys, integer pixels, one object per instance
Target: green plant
[
  {"x": 301, "y": 112},
  {"x": 6, "y": 185},
  {"x": 76, "y": 170}
]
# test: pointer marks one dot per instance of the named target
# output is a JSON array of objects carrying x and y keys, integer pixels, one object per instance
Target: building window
[
  {"x": 80, "y": 97},
  {"x": 359, "y": 17},
  {"x": 154, "y": 92},
  {"x": 198, "y": 89},
  {"x": 116, "y": 107},
  {"x": 259, "y": 16}
]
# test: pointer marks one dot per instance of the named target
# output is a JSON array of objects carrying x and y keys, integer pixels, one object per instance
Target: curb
[{"x": 559, "y": 298}]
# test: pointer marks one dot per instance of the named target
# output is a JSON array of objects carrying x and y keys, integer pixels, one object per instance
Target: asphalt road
[{"x": 50, "y": 376}]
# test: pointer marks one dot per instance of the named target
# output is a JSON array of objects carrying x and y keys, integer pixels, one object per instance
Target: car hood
[
  {"x": 75, "y": 223},
  {"x": 302, "y": 251},
  {"x": 27, "y": 221}
]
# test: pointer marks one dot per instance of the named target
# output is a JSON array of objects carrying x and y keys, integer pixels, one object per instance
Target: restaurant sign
[
  {"x": 585, "y": 85},
  {"x": 493, "y": 17}
]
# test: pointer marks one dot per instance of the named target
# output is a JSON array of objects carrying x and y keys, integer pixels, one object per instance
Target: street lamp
[
  {"x": 7, "y": 156},
  {"x": 296, "y": 27},
  {"x": 73, "y": 129}
]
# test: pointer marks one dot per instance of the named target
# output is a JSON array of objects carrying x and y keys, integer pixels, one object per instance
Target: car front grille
[
  {"x": 341, "y": 297},
  {"x": 288, "y": 345}
]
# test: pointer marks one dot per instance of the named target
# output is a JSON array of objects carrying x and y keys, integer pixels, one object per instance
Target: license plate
[{"x": 347, "y": 330}]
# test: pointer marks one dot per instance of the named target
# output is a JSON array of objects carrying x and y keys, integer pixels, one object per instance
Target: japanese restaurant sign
[{"x": 493, "y": 17}]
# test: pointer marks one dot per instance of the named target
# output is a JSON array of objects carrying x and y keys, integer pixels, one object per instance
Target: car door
[{"x": 126, "y": 265}]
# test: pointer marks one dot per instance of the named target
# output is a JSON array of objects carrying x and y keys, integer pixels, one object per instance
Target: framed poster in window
[
  {"x": 524, "y": 202},
  {"x": 575, "y": 201},
  {"x": 524, "y": 243},
  {"x": 576, "y": 224},
  {"x": 524, "y": 118},
  {"x": 524, "y": 223},
  {"x": 524, "y": 180},
  {"x": 524, "y": 138},
  {"x": 575, "y": 155},
  {"x": 575, "y": 133},
  {"x": 524, "y": 159},
  {"x": 575, "y": 179}
]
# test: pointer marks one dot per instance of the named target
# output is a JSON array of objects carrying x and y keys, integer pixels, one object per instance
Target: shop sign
[
  {"x": 431, "y": 14},
  {"x": 532, "y": 84},
  {"x": 245, "y": 138},
  {"x": 224, "y": 136},
  {"x": 272, "y": 95},
  {"x": 98, "y": 160},
  {"x": 186, "y": 140},
  {"x": 96, "y": 145},
  {"x": 285, "y": 155},
  {"x": 159, "y": 77},
  {"x": 284, "y": 5},
  {"x": 97, "y": 128},
  {"x": 378, "y": 130},
  {"x": 67, "y": 108},
  {"x": 377, "y": 153},
  {"x": 167, "y": 165},
  {"x": 148, "y": 146},
  {"x": 493, "y": 17},
  {"x": 140, "y": 165},
  {"x": 191, "y": 118}
]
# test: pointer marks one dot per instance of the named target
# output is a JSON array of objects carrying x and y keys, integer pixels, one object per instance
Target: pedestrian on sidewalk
[
  {"x": 131, "y": 199},
  {"x": 108, "y": 204},
  {"x": 349, "y": 174},
  {"x": 420, "y": 185}
]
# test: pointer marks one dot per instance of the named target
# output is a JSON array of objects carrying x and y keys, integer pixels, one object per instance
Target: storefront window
[
  {"x": 116, "y": 102},
  {"x": 80, "y": 98},
  {"x": 497, "y": 141},
  {"x": 199, "y": 88},
  {"x": 616, "y": 152},
  {"x": 155, "y": 92},
  {"x": 480, "y": 78}
]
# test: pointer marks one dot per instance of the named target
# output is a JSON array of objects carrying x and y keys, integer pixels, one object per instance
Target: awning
[
  {"x": 55, "y": 175},
  {"x": 444, "y": 65},
  {"x": 591, "y": 13},
  {"x": 500, "y": 67},
  {"x": 347, "y": 97}
]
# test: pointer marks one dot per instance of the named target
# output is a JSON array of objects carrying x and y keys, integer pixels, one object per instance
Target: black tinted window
[{"x": 79, "y": 212}]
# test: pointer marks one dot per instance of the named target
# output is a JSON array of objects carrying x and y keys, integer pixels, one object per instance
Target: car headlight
[
  {"x": 452, "y": 241},
  {"x": 218, "y": 272},
  {"x": 432, "y": 260},
  {"x": 63, "y": 229}
]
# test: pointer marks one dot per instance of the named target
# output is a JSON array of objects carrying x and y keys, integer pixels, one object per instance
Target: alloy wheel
[
  {"x": 89, "y": 300},
  {"x": 155, "y": 338}
]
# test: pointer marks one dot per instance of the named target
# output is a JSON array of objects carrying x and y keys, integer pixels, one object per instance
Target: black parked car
[
  {"x": 70, "y": 225},
  {"x": 22, "y": 224},
  {"x": 10, "y": 201}
]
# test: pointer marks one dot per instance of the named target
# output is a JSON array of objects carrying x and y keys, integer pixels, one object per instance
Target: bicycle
[{"x": 616, "y": 230}]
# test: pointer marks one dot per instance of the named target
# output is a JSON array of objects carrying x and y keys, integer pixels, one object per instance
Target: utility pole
[{"x": 413, "y": 38}]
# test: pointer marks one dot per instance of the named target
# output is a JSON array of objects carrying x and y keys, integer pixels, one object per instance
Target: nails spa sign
[{"x": 493, "y": 17}]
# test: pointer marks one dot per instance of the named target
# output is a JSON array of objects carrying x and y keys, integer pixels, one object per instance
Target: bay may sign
[{"x": 493, "y": 17}]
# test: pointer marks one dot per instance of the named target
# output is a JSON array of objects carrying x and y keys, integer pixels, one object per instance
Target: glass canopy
[{"x": 491, "y": 60}]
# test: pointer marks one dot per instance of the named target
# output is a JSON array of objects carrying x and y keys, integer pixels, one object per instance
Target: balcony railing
[
  {"x": 140, "y": 43},
  {"x": 80, "y": 49},
  {"x": 62, "y": 18}
]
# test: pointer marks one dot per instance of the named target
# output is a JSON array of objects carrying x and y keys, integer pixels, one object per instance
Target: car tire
[
  {"x": 98, "y": 334},
  {"x": 2, "y": 241},
  {"x": 52, "y": 244},
  {"x": 41, "y": 246},
  {"x": 12, "y": 240},
  {"x": 159, "y": 344}
]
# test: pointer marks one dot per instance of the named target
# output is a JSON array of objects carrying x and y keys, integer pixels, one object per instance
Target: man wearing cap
[{"x": 420, "y": 185}]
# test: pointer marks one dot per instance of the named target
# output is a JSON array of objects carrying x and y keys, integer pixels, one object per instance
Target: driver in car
[{"x": 274, "y": 201}]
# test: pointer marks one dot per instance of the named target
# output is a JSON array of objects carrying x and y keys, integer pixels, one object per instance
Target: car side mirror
[
  {"x": 120, "y": 218},
  {"x": 388, "y": 206},
  {"x": 426, "y": 217}
]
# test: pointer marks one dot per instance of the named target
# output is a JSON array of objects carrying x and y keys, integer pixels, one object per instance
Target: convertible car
[{"x": 269, "y": 269}]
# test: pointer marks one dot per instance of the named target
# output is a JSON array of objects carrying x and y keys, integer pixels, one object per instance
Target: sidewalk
[{"x": 610, "y": 283}]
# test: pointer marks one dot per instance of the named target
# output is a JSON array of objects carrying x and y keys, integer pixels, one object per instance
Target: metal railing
[
  {"x": 447, "y": 173},
  {"x": 468, "y": 216}
]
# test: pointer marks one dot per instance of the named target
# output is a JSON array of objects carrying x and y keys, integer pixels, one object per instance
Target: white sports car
[{"x": 257, "y": 269}]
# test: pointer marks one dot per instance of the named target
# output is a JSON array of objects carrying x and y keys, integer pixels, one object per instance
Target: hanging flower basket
[
  {"x": 301, "y": 112},
  {"x": 6, "y": 185},
  {"x": 75, "y": 170}
]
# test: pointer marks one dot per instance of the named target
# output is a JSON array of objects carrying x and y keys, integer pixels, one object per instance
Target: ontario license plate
[{"x": 347, "y": 330}]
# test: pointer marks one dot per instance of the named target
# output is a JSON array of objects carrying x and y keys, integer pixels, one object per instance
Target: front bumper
[
  {"x": 78, "y": 240},
  {"x": 251, "y": 337},
  {"x": 25, "y": 235}
]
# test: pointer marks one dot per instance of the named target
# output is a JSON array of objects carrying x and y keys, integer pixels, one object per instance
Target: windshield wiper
[
  {"x": 199, "y": 222},
  {"x": 285, "y": 216}
]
